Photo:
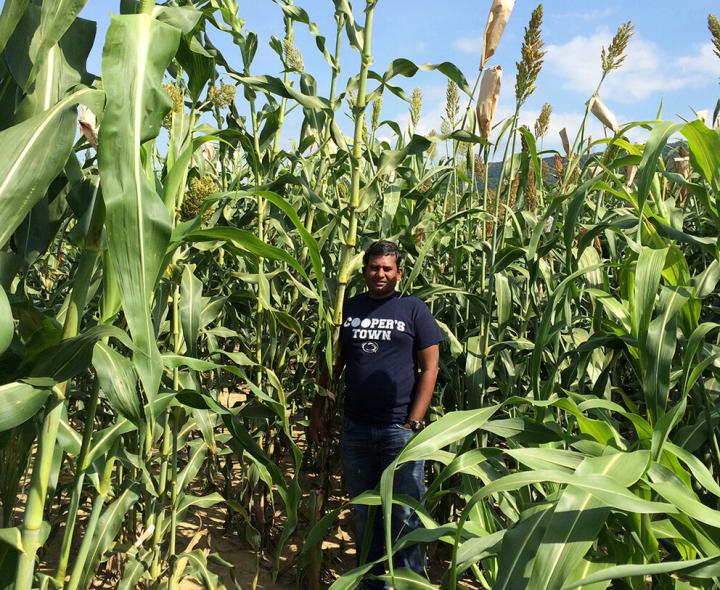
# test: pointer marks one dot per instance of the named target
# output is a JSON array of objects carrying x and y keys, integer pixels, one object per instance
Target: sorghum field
[{"x": 172, "y": 280}]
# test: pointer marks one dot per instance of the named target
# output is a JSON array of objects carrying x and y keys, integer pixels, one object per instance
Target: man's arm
[
  {"x": 319, "y": 409},
  {"x": 429, "y": 362}
]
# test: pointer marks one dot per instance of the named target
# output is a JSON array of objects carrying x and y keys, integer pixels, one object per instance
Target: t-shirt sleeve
[{"x": 427, "y": 331}]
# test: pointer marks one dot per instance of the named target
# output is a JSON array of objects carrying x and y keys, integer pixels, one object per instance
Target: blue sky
[{"x": 670, "y": 57}]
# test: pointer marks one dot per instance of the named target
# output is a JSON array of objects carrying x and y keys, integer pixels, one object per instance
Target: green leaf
[
  {"x": 246, "y": 241},
  {"x": 118, "y": 382},
  {"x": 407, "y": 68},
  {"x": 671, "y": 488},
  {"x": 578, "y": 517},
  {"x": 658, "y": 350},
  {"x": 191, "y": 305},
  {"x": 648, "y": 165},
  {"x": 708, "y": 567},
  {"x": 7, "y": 325},
  {"x": 55, "y": 18},
  {"x": 47, "y": 138},
  {"x": 647, "y": 280},
  {"x": 11, "y": 14},
  {"x": 108, "y": 526},
  {"x": 704, "y": 144},
  {"x": 19, "y": 402},
  {"x": 276, "y": 86},
  {"x": 68, "y": 358},
  {"x": 13, "y": 537},
  {"x": 137, "y": 48},
  {"x": 519, "y": 547},
  {"x": 406, "y": 579}
]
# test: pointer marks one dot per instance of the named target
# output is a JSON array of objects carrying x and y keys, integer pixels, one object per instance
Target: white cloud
[
  {"x": 702, "y": 62},
  {"x": 646, "y": 72},
  {"x": 469, "y": 44}
]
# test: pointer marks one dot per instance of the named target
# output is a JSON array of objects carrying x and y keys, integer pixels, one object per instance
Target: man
[{"x": 390, "y": 352}]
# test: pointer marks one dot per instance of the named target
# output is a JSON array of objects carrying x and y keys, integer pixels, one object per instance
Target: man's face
[{"x": 381, "y": 275}]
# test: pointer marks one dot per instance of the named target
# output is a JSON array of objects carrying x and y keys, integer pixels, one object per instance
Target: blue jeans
[{"x": 367, "y": 449}]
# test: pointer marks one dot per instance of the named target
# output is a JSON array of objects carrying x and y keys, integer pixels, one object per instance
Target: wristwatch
[{"x": 416, "y": 425}]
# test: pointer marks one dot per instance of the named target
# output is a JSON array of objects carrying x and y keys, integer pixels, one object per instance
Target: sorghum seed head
[
  {"x": 542, "y": 124},
  {"x": 714, "y": 27},
  {"x": 452, "y": 103},
  {"x": 613, "y": 58},
  {"x": 293, "y": 57},
  {"x": 532, "y": 55},
  {"x": 199, "y": 190},
  {"x": 376, "y": 109},
  {"x": 222, "y": 96},
  {"x": 176, "y": 96},
  {"x": 415, "y": 106}
]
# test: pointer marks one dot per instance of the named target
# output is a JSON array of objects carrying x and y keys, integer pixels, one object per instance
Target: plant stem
[
  {"x": 355, "y": 162},
  {"x": 35, "y": 508}
]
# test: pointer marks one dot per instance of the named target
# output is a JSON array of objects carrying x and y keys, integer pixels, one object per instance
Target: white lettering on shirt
[{"x": 373, "y": 329}]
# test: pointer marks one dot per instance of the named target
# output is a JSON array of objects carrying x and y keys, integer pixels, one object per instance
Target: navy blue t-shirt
[{"x": 380, "y": 338}]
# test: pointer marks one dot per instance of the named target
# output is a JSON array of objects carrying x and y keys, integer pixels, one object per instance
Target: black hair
[{"x": 382, "y": 248}]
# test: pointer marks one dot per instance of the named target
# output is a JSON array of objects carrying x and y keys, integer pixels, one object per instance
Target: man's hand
[{"x": 318, "y": 420}]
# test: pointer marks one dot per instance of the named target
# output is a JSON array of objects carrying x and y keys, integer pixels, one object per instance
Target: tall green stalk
[
  {"x": 35, "y": 508},
  {"x": 355, "y": 166}
]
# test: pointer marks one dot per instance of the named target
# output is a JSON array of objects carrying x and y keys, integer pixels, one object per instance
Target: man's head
[{"x": 382, "y": 268}]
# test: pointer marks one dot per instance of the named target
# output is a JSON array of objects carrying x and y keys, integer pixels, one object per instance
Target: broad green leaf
[
  {"x": 442, "y": 432},
  {"x": 694, "y": 345},
  {"x": 544, "y": 329},
  {"x": 246, "y": 241},
  {"x": 191, "y": 304},
  {"x": 405, "y": 67},
  {"x": 658, "y": 350},
  {"x": 707, "y": 567},
  {"x": 13, "y": 537},
  {"x": 578, "y": 517},
  {"x": 200, "y": 501},
  {"x": 135, "y": 568},
  {"x": 7, "y": 325},
  {"x": 71, "y": 356},
  {"x": 11, "y": 14},
  {"x": 111, "y": 519},
  {"x": 197, "y": 567},
  {"x": 648, "y": 165},
  {"x": 671, "y": 488},
  {"x": 137, "y": 49},
  {"x": 647, "y": 280},
  {"x": 55, "y": 19},
  {"x": 104, "y": 439},
  {"x": 19, "y": 402},
  {"x": 704, "y": 144},
  {"x": 439, "y": 434},
  {"x": 276, "y": 86},
  {"x": 47, "y": 138},
  {"x": 504, "y": 299},
  {"x": 700, "y": 472},
  {"x": 406, "y": 579},
  {"x": 519, "y": 547},
  {"x": 118, "y": 382}
]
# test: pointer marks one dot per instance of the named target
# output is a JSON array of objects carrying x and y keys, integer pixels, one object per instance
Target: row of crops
[{"x": 172, "y": 276}]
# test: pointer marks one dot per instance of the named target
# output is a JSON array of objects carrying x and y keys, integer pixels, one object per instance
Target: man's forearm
[{"x": 423, "y": 396}]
